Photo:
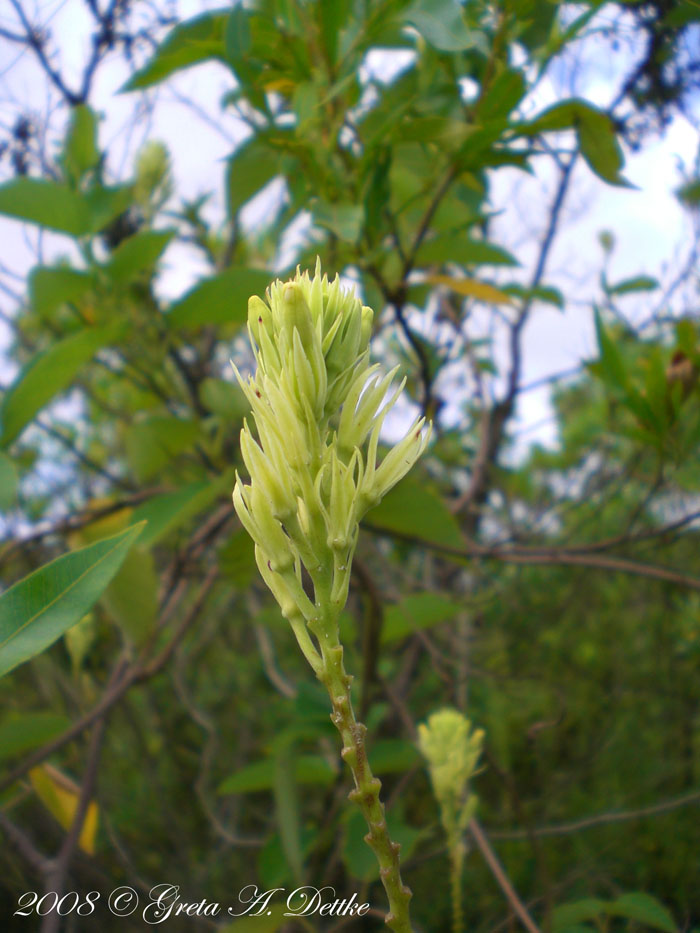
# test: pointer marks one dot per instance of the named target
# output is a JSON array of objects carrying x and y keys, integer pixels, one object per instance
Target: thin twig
[{"x": 499, "y": 874}]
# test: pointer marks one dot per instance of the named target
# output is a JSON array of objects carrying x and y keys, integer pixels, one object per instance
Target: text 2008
[{"x": 72, "y": 902}]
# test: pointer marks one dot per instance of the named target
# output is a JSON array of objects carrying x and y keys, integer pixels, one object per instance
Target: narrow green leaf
[
  {"x": 194, "y": 41},
  {"x": 153, "y": 442},
  {"x": 644, "y": 909},
  {"x": 447, "y": 247},
  {"x": 568, "y": 915},
  {"x": 60, "y": 208},
  {"x": 413, "y": 509},
  {"x": 393, "y": 756},
  {"x": 599, "y": 146},
  {"x": 47, "y": 375},
  {"x": 237, "y": 559},
  {"x": 343, "y": 220},
  {"x": 424, "y": 610},
  {"x": 221, "y": 299},
  {"x": 40, "y": 608},
  {"x": 131, "y": 598},
  {"x": 287, "y": 810},
  {"x": 545, "y": 293},
  {"x": 171, "y": 510},
  {"x": 250, "y": 168},
  {"x": 441, "y": 23},
  {"x": 504, "y": 94},
  {"x": 595, "y": 131},
  {"x": 612, "y": 365},
  {"x": 138, "y": 253},
  {"x": 23, "y": 732},
  {"x": 80, "y": 152},
  {"x": 52, "y": 286},
  {"x": 8, "y": 482},
  {"x": 640, "y": 283},
  {"x": 308, "y": 769},
  {"x": 223, "y": 398}
]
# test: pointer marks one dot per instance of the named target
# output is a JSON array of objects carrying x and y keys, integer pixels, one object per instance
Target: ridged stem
[{"x": 367, "y": 787}]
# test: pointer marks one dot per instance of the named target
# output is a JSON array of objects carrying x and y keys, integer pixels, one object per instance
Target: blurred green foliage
[{"x": 552, "y": 598}]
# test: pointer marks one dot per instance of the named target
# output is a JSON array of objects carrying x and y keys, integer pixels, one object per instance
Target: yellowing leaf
[
  {"x": 470, "y": 288},
  {"x": 60, "y": 796},
  {"x": 282, "y": 85},
  {"x": 111, "y": 523}
]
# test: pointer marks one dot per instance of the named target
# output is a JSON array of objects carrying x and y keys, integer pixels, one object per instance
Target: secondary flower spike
[{"x": 318, "y": 407}]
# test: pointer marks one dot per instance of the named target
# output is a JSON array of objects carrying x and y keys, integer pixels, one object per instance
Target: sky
[{"x": 652, "y": 233}]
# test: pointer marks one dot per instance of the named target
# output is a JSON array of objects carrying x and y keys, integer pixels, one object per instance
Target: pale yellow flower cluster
[{"x": 318, "y": 409}]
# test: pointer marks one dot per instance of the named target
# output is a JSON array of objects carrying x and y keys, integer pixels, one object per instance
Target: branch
[
  {"x": 499, "y": 874},
  {"x": 494, "y": 420},
  {"x": 600, "y": 819},
  {"x": 551, "y": 556}
]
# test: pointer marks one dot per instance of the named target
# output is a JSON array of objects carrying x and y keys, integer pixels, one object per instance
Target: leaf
[
  {"x": 421, "y": 611},
  {"x": 60, "y": 208},
  {"x": 595, "y": 131},
  {"x": 250, "y": 168},
  {"x": 568, "y": 915},
  {"x": 333, "y": 18},
  {"x": 689, "y": 194},
  {"x": 413, "y": 509},
  {"x": 644, "y": 909},
  {"x": 132, "y": 597},
  {"x": 223, "y": 398},
  {"x": 287, "y": 810},
  {"x": 80, "y": 152},
  {"x": 308, "y": 769},
  {"x": 50, "y": 287},
  {"x": 153, "y": 442},
  {"x": 612, "y": 366},
  {"x": 343, "y": 219},
  {"x": 8, "y": 484},
  {"x": 470, "y": 288},
  {"x": 237, "y": 559},
  {"x": 46, "y": 376},
  {"x": 441, "y": 23},
  {"x": 641, "y": 283},
  {"x": 196, "y": 40},
  {"x": 599, "y": 146},
  {"x": 61, "y": 796},
  {"x": 504, "y": 94},
  {"x": 23, "y": 732},
  {"x": 305, "y": 104},
  {"x": 164, "y": 513},
  {"x": 392, "y": 756},
  {"x": 446, "y": 247},
  {"x": 221, "y": 299},
  {"x": 546, "y": 293},
  {"x": 40, "y": 608},
  {"x": 138, "y": 253}
]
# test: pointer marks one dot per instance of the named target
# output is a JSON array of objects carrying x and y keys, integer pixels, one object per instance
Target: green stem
[
  {"x": 456, "y": 863},
  {"x": 367, "y": 787}
]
